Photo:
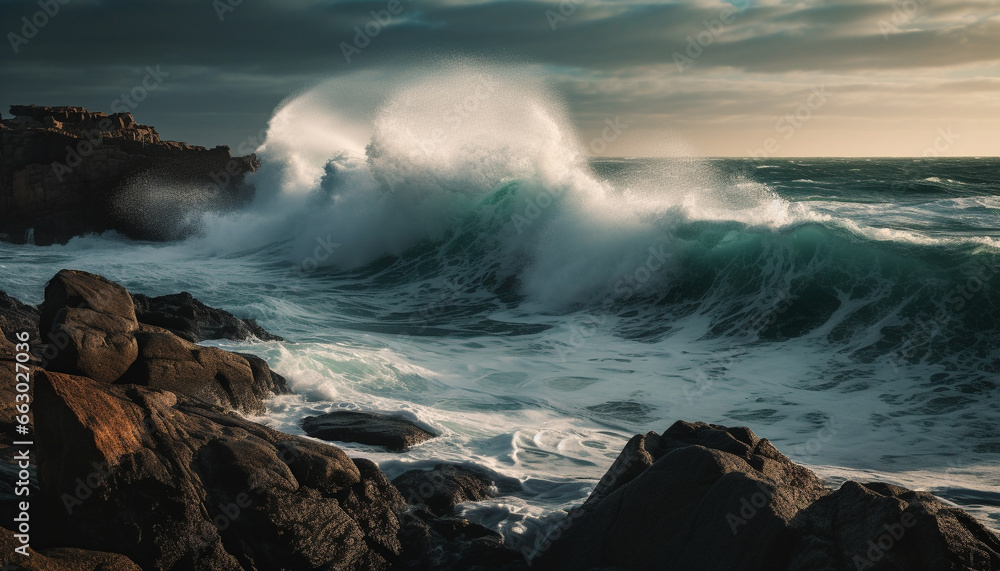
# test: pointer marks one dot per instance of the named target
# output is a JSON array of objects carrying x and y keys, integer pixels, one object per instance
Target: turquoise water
[{"x": 537, "y": 308}]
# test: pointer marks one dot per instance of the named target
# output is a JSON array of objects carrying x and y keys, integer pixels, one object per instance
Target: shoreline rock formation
[
  {"x": 145, "y": 462},
  {"x": 66, "y": 171},
  {"x": 704, "y": 496}
]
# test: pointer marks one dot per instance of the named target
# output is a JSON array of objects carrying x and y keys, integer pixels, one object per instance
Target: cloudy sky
[{"x": 764, "y": 77}]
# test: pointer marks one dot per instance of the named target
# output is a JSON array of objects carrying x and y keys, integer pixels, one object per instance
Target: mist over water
[{"x": 446, "y": 248}]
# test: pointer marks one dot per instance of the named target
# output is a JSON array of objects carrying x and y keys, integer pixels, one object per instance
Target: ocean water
[{"x": 476, "y": 271}]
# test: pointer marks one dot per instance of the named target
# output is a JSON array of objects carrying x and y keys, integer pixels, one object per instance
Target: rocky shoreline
[
  {"x": 67, "y": 171},
  {"x": 145, "y": 461}
]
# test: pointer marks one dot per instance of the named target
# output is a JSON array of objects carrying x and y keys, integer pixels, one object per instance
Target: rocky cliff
[{"x": 66, "y": 171}]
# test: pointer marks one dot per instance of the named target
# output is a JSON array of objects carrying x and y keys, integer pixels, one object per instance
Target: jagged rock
[
  {"x": 191, "y": 319},
  {"x": 709, "y": 497},
  {"x": 447, "y": 485},
  {"x": 59, "y": 558},
  {"x": 66, "y": 171},
  {"x": 396, "y": 434},
  {"x": 16, "y": 317},
  {"x": 91, "y": 327},
  {"x": 179, "y": 485},
  {"x": 229, "y": 380},
  {"x": 90, "y": 322}
]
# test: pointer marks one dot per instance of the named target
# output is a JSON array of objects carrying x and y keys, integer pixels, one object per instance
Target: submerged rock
[
  {"x": 710, "y": 497},
  {"x": 186, "y": 317},
  {"x": 431, "y": 542},
  {"x": 447, "y": 485},
  {"x": 396, "y": 434}
]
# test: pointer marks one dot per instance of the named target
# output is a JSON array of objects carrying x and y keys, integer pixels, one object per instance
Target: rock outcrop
[
  {"x": 91, "y": 328},
  {"x": 224, "y": 493},
  {"x": 66, "y": 171},
  {"x": 396, "y": 434},
  {"x": 191, "y": 319},
  {"x": 709, "y": 497}
]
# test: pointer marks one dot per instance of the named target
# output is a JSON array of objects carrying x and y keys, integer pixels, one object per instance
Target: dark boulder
[
  {"x": 396, "y": 434},
  {"x": 710, "y": 497},
  {"x": 209, "y": 374},
  {"x": 59, "y": 558},
  {"x": 186, "y": 317},
  {"x": 90, "y": 322},
  {"x": 447, "y": 485}
]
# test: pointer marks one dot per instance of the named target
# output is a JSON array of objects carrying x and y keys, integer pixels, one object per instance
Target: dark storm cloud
[{"x": 227, "y": 74}]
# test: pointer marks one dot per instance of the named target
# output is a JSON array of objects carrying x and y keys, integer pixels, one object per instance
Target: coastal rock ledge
[{"x": 67, "y": 171}]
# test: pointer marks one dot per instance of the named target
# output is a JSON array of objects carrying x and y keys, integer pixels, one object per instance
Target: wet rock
[
  {"x": 396, "y": 434},
  {"x": 209, "y": 374},
  {"x": 707, "y": 496},
  {"x": 186, "y": 317},
  {"x": 431, "y": 542},
  {"x": 447, "y": 485}
]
